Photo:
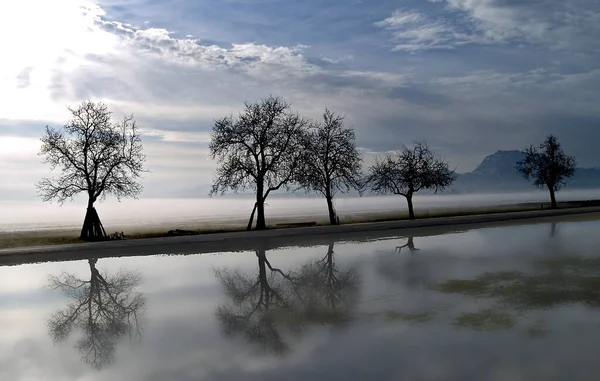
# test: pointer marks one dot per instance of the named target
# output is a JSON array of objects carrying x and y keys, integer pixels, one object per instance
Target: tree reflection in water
[
  {"x": 268, "y": 307},
  {"x": 104, "y": 308},
  {"x": 408, "y": 268},
  {"x": 553, "y": 230},
  {"x": 255, "y": 301},
  {"x": 328, "y": 294},
  {"x": 410, "y": 244}
]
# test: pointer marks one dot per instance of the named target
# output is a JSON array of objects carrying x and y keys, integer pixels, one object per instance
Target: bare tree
[
  {"x": 330, "y": 294},
  {"x": 410, "y": 269},
  {"x": 253, "y": 303},
  {"x": 96, "y": 157},
  {"x": 269, "y": 307},
  {"x": 259, "y": 150},
  {"x": 408, "y": 171},
  {"x": 548, "y": 166},
  {"x": 332, "y": 162},
  {"x": 104, "y": 308}
]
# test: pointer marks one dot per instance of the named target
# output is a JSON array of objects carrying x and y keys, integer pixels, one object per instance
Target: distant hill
[
  {"x": 497, "y": 173},
  {"x": 500, "y": 164}
]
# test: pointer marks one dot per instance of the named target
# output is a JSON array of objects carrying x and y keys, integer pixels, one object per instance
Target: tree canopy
[
  {"x": 332, "y": 162},
  {"x": 103, "y": 308},
  {"x": 260, "y": 150},
  {"x": 95, "y": 156},
  {"x": 408, "y": 171},
  {"x": 268, "y": 306},
  {"x": 548, "y": 166}
]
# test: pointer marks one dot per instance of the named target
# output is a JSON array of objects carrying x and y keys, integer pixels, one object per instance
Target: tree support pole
[{"x": 92, "y": 229}]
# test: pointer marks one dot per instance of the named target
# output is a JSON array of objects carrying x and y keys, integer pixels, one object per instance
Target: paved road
[{"x": 306, "y": 236}]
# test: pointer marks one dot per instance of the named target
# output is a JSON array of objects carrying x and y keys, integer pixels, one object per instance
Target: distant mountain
[
  {"x": 500, "y": 164},
  {"x": 498, "y": 173}
]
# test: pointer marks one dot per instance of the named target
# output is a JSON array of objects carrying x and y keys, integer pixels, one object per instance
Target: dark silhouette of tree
[
  {"x": 410, "y": 244},
  {"x": 275, "y": 304},
  {"x": 104, "y": 309},
  {"x": 408, "y": 269},
  {"x": 332, "y": 163},
  {"x": 553, "y": 230},
  {"x": 96, "y": 157},
  {"x": 259, "y": 150},
  {"x": 329, "y": 294},
  {"x": 548, "y": 166},
  {"x": 408, "y": 171},
  {"x": 256, "y": 304}
]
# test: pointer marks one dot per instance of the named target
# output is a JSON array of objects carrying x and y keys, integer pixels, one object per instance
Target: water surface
[{"x": 498, "y": 303}]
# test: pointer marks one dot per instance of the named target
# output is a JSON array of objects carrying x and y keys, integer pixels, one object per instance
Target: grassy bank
[{"x": 10, "y": 240}]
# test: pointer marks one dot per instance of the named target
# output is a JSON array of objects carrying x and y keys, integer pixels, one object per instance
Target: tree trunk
[
  {"x": 330, "y": 276},
  {"x": 249, "y": 227},
  {"x": 411, "y": 211},
  {"x": 260, "y": 204},
  {"x": 332, "y": 219},
  {"x": 92, "y": 229},
  {"x": 260, "y": 217},
  {"x": 265, "y": 288},
  {"x": 92, "y": 262},
  {"x": 262, "y": 268},
  {"x": 553, "y": 198},
  {"x": 411, "y": 243}
]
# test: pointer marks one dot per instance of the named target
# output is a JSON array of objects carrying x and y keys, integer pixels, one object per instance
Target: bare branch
[
  {"x": 548, "y": 166},
  {"x": 408, "y": 171},
  {"x": 332, "y": 163},
  {"x": 94, "y": 155},
  {"x": 258, "y": 150},
  {"x": 103, "y": 308}
]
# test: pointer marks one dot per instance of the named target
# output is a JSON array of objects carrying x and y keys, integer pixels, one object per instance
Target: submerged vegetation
[
  {"x": 556, "y": 282},
  {"x": 552, "y": 283},
  {"x": 497, "y": 301},
  {"x": 422, "y": 317},
  {"x": 485, "y": 320}
]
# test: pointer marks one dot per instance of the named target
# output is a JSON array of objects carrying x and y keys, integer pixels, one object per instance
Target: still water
[{"x": 511, "y": 303}]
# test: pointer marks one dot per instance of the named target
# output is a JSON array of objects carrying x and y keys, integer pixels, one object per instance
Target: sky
[{"x": 469, "y": 76}]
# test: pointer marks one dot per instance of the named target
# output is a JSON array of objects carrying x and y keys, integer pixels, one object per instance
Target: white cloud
[
  {"x": 564, "y": 25},
  {"x": 382, "y": 78},
  {"x": 80, "y": 54},
  {"x": 400, "y": 18},
  {"x": 571, "y": 25},
  {"x": 257, "y": 60},
  {"x": 413, "y": 31}
]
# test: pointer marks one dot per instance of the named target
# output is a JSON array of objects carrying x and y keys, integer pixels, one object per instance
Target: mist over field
[{"x": 203, "y": 211}]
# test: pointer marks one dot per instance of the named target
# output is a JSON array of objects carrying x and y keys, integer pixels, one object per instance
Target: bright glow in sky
[{"x": 41, "y": 37}]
